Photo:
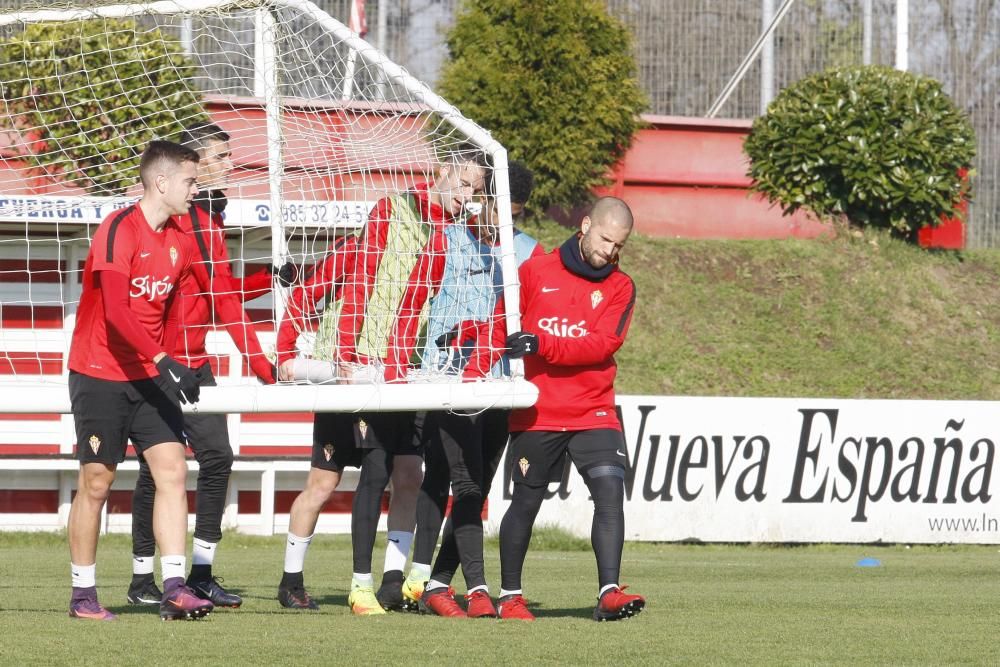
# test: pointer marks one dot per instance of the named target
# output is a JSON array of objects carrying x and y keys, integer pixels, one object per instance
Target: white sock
[
  {"x": 142, "y": 564},
  {"x": 84, "y": 576},
  {"x": 397, "y": 547},
  {"x": 173, "y": 566},
  {"x": 605, "y": 589},
  {"x": 434, "y": 583},
  {"x": 362, "y": 580},
  {"x": 484, "y": 588},
  {"x": 202, "y": 552},
  {"x": 295, "y": 552},
  {"x": 504, "y": 592},
  {"x": 419, "y": 572}
]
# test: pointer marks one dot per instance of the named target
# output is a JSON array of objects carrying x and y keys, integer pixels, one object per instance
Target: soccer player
[
  {"x": 576, "y": 307},
  {"x": 398, "y": 265},
  {"x": 208, "y": 434},
  {"x": 463, "y": 450},
  {"x": 337, "y": 437},
  {"x": 124, "y": 385}
]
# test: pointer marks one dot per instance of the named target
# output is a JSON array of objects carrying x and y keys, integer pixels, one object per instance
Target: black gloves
[
  {"x": 287, "y": 274},
  {"x": 181, "y": 381},
  {"x": 521, "y": 344},
  {"x": 445, "y": 340}
]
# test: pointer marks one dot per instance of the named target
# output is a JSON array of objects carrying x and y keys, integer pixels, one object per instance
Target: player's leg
[
  {"x": 407, "y": 474},
  {"x": 143, "y": 589},
  {"x": 376, "y": 469},
  {"x": 101, "y": 412},
  {"x": 208, "y": 438},
  {"x": 431, "y": 503},
  {"x": 494, "y": 437},
  {"x": 461, "y": 437},
  {"x": 386, "y": 436},
  {"x": 599, "y": 456},
  {"x": 334, "y": 446},
  {"x": 157, "y": 432},
  {"x": 537, "y": 457}
]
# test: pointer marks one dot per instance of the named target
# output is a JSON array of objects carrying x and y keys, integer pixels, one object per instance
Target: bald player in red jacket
[{"x": 576, "y": 307}]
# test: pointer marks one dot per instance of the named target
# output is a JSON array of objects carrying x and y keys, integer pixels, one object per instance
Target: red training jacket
[
  {"x": 225, "y": 297},
  {"x": 326, "y": 279},
  {"x": 580, "y": 324}
]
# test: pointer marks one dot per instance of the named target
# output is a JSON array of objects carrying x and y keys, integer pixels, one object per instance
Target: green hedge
[
  {"x": 554, "y": 81},
  {"x": 89, "y": 95},
  {"x": 883, "y": 147}
]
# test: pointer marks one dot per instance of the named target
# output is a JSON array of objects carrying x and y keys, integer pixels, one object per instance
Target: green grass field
[{"x": 707, "y": 604}]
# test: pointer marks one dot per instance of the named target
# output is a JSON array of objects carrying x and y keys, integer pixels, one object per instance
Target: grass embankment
[{"x": 856, "y": 316}]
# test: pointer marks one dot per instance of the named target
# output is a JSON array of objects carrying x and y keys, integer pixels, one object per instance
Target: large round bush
[{"x": 881, "y": 146}]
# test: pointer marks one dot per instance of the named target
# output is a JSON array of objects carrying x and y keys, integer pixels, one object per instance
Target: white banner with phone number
[
  {"x": 40, "y": 209},
  {"x": 795, "y": 470}
]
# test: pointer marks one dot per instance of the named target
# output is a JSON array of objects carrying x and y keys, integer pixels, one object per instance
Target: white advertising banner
[
  {"x": 795, "y": 470},
  {"x": 239, "y": 213}
]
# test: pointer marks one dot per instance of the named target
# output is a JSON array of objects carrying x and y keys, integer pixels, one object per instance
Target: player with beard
[{"x": 576, "y": 307}]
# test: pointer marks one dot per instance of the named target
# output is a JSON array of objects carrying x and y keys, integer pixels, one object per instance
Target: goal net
[{"x": 326, "y": 136}]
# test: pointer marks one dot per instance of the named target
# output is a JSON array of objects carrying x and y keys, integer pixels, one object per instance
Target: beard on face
[{"x": 590, "y": 255}]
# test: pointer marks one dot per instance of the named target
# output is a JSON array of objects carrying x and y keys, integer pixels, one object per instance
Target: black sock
[
  {"x": 292, "y": 580},
  {"x": 607, "y": 533},
  {"x": 392, "y": 577},
  {"x": 142, "y": 578},
  {"x": 515, "y": 533},
  {"x": 200, "y": 573}
]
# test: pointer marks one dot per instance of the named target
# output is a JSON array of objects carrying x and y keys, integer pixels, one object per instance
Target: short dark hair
[
  {"x": 198, "y": 135},
  {"x": 168, "y": 151},
  {"x": 522, "y": 181}
]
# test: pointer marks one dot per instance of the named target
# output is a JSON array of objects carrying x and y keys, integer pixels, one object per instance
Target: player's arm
[
  {"x": 490, "y": 342},
  {"x": 360, "y": 279},
  {"x": 598, "y": 345},
  {"x": 214, "y": 275},
  {"x": 300, "y": 312},
  {"x": 260, "y": 283},
  {"x": 255, "y": 285}
]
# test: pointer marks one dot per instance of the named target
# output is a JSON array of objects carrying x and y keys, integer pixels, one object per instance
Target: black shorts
[
  {"x": 336, "y": 438},
  {"x": 538, "y": 456},
  {"x": 395, "y": 432},
  {"x": 109, "y": 413}
]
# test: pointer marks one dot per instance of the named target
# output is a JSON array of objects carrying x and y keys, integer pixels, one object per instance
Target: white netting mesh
[{"x": 320, "y": 125}]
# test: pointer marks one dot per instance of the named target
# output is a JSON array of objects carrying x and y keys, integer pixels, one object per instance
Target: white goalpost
[{"x": 83, "y": 89}]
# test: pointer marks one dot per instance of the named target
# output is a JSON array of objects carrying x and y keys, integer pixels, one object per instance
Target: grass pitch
[{"x": 707, "y": 604}]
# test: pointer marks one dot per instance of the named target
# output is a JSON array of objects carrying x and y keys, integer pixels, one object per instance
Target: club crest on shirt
[
  {"x": 595, "y": 298},
  {"x": 524, "y": 465},
  {"x": 173, "y": 256},
  {"x": 95, "y": 443},
  {"x": 362, "y": 428},
  {"x": 328, "y": 451}
]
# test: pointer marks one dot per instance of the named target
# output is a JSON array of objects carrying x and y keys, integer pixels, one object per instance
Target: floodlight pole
[
  {"x": 902, "y": 35},
  {"x": 766, "y": 56},
  {"x": 867, "y": 26}
]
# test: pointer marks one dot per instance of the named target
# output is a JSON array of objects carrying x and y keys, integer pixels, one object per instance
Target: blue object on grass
[{"x": 869, "y": 562}]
